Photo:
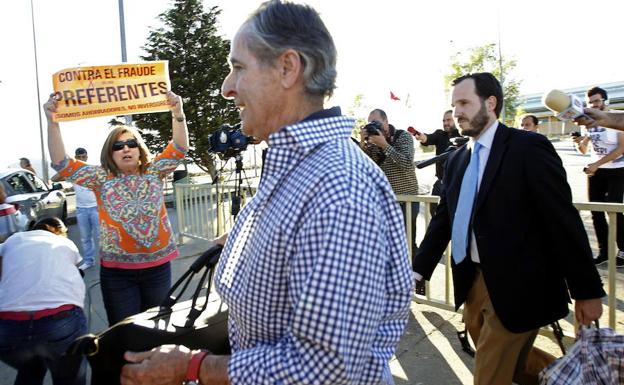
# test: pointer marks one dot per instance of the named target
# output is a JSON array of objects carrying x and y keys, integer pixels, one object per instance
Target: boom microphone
[{"x": 566, "y": 107}]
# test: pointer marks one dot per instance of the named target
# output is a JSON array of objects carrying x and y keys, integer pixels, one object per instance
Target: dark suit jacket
[{"x": 532, "y": 245}]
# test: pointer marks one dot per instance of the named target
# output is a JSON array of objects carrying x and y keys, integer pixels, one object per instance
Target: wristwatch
[{"x": 192, "y": 372}]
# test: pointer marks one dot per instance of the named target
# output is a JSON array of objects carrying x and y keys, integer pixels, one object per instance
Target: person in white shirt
[
  {"x": 41, "y": 305},
  {"x": 605, "y": 175},
  {"x": 8, "y": 220},
  {"x": 87, "y": 217}
]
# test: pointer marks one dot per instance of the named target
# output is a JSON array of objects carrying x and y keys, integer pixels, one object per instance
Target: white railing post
[{"x": 180, "y": 210}]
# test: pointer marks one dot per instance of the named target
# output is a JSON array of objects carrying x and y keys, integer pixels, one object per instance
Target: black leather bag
[{"x": 198, "y": 323}]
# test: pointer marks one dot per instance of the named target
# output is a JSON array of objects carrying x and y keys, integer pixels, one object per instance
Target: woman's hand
[
  {"x": 175, "y": 105},
  {"x": 180, "y": 131},
  {"x": 50, "y": 107}
]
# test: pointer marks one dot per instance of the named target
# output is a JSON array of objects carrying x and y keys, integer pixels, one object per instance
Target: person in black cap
[{"x": 87, "y": 217}]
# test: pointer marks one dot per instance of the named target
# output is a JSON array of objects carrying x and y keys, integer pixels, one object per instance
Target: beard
[{"x": 477, "y": 123}]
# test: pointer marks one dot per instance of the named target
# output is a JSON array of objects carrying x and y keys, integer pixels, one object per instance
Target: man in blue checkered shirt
[{"x": 315, "y": 273}]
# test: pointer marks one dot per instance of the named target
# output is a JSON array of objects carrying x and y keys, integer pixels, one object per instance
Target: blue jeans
[
  {"x": 88, "y": 223},
  {"x": 32, "y": 347},
  {"x": 128, "y": 292}
]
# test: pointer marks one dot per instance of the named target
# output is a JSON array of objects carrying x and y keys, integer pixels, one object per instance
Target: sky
[{"x": 403, "y": 46}]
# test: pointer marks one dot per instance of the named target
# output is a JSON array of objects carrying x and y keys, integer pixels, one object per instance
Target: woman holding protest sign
[{"x": 136, "y": 239}]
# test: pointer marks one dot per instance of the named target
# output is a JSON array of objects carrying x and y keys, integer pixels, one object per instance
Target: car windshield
[
  {"x": 38, "y": 183},
  {"x": 19, "y": 184}
]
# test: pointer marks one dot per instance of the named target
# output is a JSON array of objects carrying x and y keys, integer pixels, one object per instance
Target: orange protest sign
[{"x": 123, "y": 89}]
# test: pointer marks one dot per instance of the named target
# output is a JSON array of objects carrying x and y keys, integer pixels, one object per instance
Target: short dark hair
[
  {"x": 486, "y": 85},
  {"x": 53, "y": 222},
  {"x": 277, "y": 26},
  {"x": 80, "y": 151},
  {"x": 25, "y": 160},
  {"x": 533, "y": 118},
  {"x": 597, "y": 90},
  {"x": 381, "y": 113},
  {"x": 448, "y": 112}
]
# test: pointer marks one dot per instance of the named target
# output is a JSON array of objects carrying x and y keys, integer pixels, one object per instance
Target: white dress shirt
[{"x": 485, "y": 140}]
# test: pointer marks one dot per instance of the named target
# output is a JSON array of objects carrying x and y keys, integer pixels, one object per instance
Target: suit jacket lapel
[
  {"x": 499, "y": 147},
  {"x": 461, "y": 160}
]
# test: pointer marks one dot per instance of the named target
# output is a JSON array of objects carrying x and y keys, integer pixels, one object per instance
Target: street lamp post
[
  {"x": 122, "y": 33},
  {"x": 44, "y": 162},
  {"x": 500, "y": 64}
]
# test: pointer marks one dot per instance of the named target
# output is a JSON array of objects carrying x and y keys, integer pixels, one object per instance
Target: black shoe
[{"x": 600, "y": 259}]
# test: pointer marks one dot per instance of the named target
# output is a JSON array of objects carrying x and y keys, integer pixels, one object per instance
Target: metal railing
[
  {"x": 611, "y": 209},
  {"x": 203, "y": 212}
]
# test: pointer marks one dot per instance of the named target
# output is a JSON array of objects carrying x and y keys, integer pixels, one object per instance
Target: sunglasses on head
[{"x": 119, "y": 145}]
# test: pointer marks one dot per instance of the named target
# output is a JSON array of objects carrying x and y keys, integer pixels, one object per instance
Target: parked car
[{"x": 32, "y": 197}]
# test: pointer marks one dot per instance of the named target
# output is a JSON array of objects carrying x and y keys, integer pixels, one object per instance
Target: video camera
[
  {"x": 373, "y": 128},
  {"x": 228, "y": 141}
]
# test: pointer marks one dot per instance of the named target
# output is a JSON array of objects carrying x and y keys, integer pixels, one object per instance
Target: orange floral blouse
[{"x": 135, "y": 232}]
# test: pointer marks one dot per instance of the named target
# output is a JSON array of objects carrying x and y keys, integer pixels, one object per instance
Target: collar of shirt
[
  {"x": 312, "y": 131},
  {"x": 486, "y": 138},
  {"x": 288, "y": 146}
]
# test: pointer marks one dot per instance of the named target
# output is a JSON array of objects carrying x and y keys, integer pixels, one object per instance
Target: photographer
[{"x": 393, "y": 151}]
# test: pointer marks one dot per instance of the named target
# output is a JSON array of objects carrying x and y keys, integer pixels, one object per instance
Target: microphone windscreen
[
  {"x": 412, "y": 130},
  {"x": 556, "y": 101}
]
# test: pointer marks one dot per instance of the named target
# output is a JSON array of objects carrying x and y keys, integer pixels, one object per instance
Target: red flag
[{"x": 393, "y": 96}]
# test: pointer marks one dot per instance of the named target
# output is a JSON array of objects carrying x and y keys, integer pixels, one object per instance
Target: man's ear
[
  {"x": 491, "y": 103},
  {"x": 291, "y": 67}
]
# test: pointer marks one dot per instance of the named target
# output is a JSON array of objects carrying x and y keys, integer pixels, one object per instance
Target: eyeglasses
[{"x": 131, "y": 143}]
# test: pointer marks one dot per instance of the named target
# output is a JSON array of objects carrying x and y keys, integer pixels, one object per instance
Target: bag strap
[
  {"x": 558, "y": 332},
  {"x": 207, "y": 262}
]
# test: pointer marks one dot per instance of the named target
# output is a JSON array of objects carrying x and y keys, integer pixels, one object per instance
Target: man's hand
[
  {"x": 378, "y": 140},
  {"x": 591, "y": 169},
  {"x": 164, "y": 365},
  {"x": 587, "y": 311},
  {"x": 221, "y": 240},
  {"x": 422, "y": 138},
  {"x": 592, "y": 118}
]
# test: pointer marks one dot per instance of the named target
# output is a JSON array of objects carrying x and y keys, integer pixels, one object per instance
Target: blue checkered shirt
[{"x": 315, "y": 272}]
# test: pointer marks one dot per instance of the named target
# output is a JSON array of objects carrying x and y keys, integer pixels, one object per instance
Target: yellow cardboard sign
[{"x": 123, "y": 89}]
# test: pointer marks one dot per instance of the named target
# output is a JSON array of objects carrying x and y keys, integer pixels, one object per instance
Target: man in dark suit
[{"x": 519, "y": 247}]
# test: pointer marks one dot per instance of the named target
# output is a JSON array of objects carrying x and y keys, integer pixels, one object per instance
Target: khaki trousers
[{"x": 501, "y": 356}]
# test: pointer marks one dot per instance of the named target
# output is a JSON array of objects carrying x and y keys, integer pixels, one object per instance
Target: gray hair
[{"x": 277, "y": 26}]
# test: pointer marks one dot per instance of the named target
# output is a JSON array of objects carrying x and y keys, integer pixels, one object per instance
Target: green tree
[
  {"x": 358, "y": 109},
  {"x": 197, "y": 66},
  {"x": 486, "y": 59}
]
